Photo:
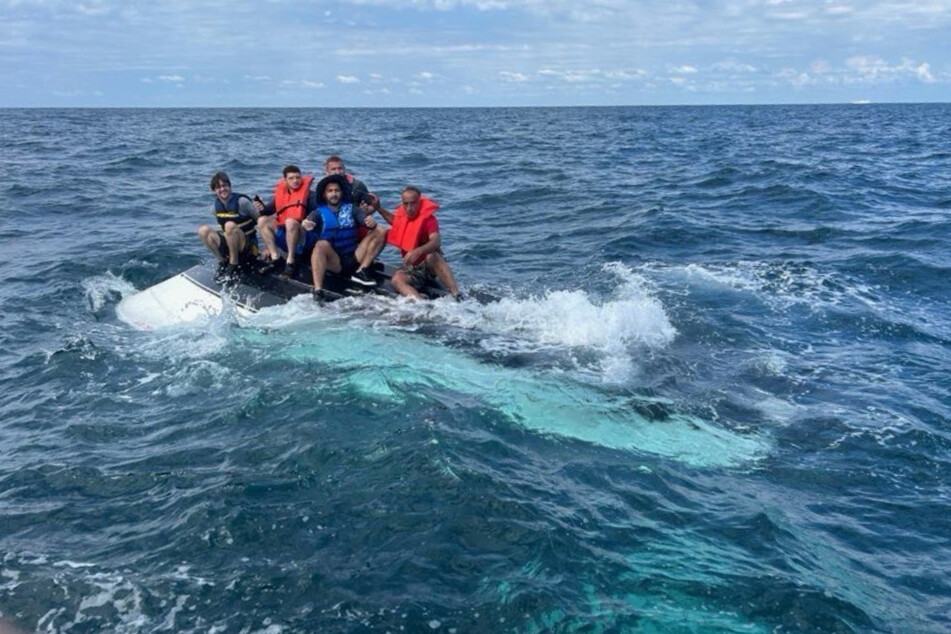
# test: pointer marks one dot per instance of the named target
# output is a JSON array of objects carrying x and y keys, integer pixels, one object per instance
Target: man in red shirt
[{"x": 415, "y": 230}]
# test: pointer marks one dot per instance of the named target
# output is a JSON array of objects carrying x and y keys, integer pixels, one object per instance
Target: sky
[{"x": 457, "y": 53}]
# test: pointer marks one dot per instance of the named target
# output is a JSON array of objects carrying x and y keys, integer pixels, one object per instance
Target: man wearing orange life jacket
[
  {"x": 280, "y": 221},
  {"x": 415, "y": 231}
]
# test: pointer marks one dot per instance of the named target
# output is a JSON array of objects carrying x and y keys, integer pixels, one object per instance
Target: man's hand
[
  {"x": 410, "y": 258},
  {"x": 308, "y": 224},
  {"x": 369, "y": 222},
  {"x": 370, "y": 202},
  {"x": 258, "y": 203}
]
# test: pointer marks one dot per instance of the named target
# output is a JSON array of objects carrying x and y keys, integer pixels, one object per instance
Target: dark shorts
[
  {"x": 309, "y": 239},
  {"x": 419, "y": 275},
  {"x": 249, "y": 252},
  {"x": 348, "y": 263}
]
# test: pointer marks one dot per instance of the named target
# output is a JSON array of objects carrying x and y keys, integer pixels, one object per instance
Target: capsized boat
[{"x": 198, "y": 292}]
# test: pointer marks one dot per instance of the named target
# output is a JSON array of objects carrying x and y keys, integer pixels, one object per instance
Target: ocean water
[{"x": 713, "y": 396}]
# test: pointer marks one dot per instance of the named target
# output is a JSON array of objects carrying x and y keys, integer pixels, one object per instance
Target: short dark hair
[
  {"x": 291, "y": 169},
  {"x": 411, "y": 188},
  {"x": 333, "y": 158},
  {"x": 218, "y": 179}
]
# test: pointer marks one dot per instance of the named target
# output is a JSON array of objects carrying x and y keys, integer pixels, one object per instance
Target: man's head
[
  {"x": 410, "y": 200},
  {"x": 333, "y": 189},
  {"x": 333, "y": 194},
  {"x": 334, "y": 165},
  {"x": 292, "y": 177},
  {"x": 221, "y": 185}
]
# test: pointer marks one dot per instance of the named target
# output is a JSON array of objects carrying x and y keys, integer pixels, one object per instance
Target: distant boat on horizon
[{"x": 860, "y": 102}]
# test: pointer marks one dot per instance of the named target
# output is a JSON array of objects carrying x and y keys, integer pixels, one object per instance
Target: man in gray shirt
[{"x": 234, "y": 241}]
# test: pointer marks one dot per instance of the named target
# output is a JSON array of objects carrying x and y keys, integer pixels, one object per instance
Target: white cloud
[
  {"x": 425, "y": 76},
  {"x": 838, "y": 9},
  {"x": 513, "y": 77},
  {"x": 731, "y": 66},
  {"x": 871, "y": 68},
  {"x": 348, "y": 79},
  {"x": 686, "y": 69},
  {"x": 923, "y": 71},
  {"x": 172, "y": 78},
  {"x": 95, "y": 8},
  {"x": 794, "y": 77},
  {"x": 304, "y": 83},
  {"x": 572, "y": 76}
]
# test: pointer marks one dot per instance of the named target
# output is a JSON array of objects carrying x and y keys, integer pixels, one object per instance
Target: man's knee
[
  {"x": 400, "y": 279},
  {"x": 321, "y": 250},
  {"x": 264, "y": 222}
]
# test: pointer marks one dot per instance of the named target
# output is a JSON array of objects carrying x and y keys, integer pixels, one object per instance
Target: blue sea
[{"x": 713, "y": 394}]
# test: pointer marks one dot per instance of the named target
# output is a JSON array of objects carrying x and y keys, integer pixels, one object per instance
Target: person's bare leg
[
  {"x": 293, "y": 236},
  {"x": 266, "y": 231},
  {"x": 322, "y": 259},
  {"x": 235, "y": 239},
  {"x": 370, "y": 247},
  {"x": 438, "y": 265},
  {"x": 401, "y": 283},
  {"x": 210, "y": 238}
]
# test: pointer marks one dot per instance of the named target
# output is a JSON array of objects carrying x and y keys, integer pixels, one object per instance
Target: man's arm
[
  {"x": 264, "y": 210},
  {"x": 371, "y": 202},
  {"x": 358, "y": 192},
  {"x": 431, "y": 246},
  {"x": 248, "y": 208}
]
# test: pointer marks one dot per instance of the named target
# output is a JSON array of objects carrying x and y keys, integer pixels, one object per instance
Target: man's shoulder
[{"x": 246, "y": 205}]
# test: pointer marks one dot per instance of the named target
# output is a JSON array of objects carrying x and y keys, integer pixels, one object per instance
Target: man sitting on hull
[
  {"x": 358, "y": 194},
  {"x": 281, "y": 217},
  {"x": 415, "y": 231},
  {"x": 234, "y": 241},
  {"x": 338, "y": 249}
]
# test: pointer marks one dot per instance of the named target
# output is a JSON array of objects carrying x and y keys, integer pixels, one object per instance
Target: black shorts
[
  {"x": 249, "y": 252},
  {"x": 348, "y": 263}
]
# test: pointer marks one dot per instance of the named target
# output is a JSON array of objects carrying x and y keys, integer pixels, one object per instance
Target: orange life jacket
[
  {"x": 404, "y": 233},
  {"x": 291, "y": 204}
]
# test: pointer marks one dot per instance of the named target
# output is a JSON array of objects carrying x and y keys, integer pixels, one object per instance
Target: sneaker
[
  {"x": 269, "y": 266},
  {"x": 290, "y": 268},
  {"x": 322, "y": 295},
  {"x": 221, "y": 271},
  {"x": 230, "y": 275},
  {"x": 363, "y": 278}
]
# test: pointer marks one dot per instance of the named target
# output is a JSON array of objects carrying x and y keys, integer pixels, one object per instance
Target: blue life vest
[
  {"x": 340, "y": 228},
  {"x": 230, "y": 211}
]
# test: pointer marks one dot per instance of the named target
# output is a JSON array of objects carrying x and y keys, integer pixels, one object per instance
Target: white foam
[
  {"x": 781, "y": 285},
  {"x": 101, "y": 290},
  {"x": 615, "y": 328}
]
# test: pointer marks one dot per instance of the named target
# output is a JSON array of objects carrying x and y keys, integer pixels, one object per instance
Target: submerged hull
[{"x": 195, "y": 293}]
